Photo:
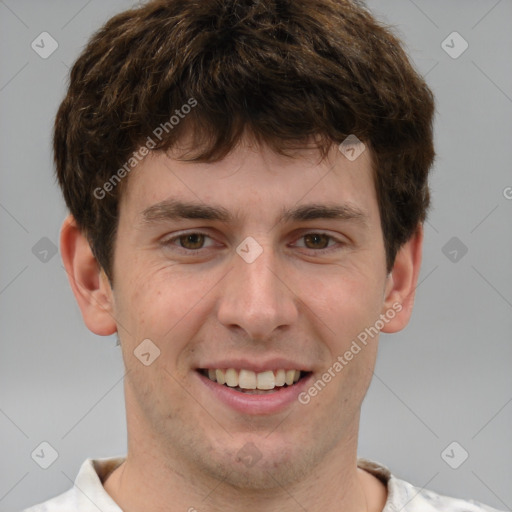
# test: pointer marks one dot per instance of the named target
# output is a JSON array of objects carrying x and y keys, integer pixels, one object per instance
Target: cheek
[
  {"x": 160, "y": 304},
  {"x": 346, "y": 303},
  {"x": 354, "y": 308}
]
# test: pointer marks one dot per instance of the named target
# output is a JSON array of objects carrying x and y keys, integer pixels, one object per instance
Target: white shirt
[{"x": 89, "y": 495}]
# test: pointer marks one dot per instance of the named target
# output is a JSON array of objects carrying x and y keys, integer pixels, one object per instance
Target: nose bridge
[
  {"x": 254, "y": 298},
  {"x": 259, "y": 277}
]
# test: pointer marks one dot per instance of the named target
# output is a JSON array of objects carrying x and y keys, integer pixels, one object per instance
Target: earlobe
[
  {"x": 401, "y": 283},
  {"x": 88, "y": 281}
]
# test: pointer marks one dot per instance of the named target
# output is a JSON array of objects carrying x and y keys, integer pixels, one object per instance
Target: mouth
[
  {"x": 255, "y": 383},
  {"x": 251, "y": 387}
]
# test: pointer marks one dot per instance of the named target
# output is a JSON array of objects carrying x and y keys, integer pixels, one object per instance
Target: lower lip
[{"x": 268, "y": 403}]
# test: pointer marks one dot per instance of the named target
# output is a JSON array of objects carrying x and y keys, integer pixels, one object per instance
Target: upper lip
[{"x": 273, "y": 364}]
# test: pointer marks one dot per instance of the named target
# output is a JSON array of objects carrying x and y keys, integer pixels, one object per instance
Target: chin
[{"x": 258, "y": 466}]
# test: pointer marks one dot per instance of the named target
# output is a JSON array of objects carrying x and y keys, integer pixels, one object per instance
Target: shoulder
[
  {"x": 87, "y": 493},
  {"x": 410, "y": 498},
  {"x": 65, "y": 502},
  {"x": 405, "y": 497}
]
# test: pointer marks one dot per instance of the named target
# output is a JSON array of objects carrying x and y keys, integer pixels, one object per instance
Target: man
[{"x": 247, "y": 183}]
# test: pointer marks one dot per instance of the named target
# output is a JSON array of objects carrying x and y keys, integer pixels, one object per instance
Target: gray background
[{"x": 445, "y": 378}]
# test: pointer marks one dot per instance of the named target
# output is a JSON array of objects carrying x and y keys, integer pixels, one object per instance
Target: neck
[
  {"x": 166, "y": 472},
  {"x": 145, "y": 482}
]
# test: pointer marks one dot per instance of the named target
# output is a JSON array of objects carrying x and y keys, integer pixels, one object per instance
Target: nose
[{"x": 256, "y": 297}]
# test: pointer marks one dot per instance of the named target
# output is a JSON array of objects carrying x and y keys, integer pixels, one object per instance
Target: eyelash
[{"x": 170, "y": 242}]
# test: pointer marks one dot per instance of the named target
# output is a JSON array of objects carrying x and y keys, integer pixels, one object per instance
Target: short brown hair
[{"x": 285, "y": 70}]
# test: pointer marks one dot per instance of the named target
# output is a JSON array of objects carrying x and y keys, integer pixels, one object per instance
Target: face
[{"x": 258, "y": 264}]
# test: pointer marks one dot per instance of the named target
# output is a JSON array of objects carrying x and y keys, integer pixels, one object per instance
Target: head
[{"x": 224, "y": 119}]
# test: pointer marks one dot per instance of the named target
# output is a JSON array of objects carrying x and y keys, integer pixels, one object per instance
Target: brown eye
[
  {"x": 316, "y": 241},
  {"x": 192, "y": 241}
]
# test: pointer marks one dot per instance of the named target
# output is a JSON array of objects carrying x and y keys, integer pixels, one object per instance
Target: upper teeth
[{"x": 247, "y": 379}]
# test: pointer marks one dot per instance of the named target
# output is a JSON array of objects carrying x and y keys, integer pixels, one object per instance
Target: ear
[
  {"x": 88, "y": 281},
  {"x": 401, "y": 283}
]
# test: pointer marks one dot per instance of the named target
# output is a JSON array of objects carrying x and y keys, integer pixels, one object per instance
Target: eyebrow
[{"x": 173, "y": 209}]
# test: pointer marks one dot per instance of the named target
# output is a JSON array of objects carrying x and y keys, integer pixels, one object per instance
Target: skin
[{"x": 294, "y": 301}]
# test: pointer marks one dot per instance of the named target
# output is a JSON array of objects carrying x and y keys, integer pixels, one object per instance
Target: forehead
[{"x": 252, "y": 180}]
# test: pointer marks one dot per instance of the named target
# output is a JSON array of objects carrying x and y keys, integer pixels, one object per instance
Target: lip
[
  {"x": 265, "y": 404},
  {"x": 257, "y": 367}
]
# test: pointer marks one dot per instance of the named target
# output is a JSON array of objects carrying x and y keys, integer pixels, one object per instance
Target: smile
[
  {"x": 250, "y": 392},
  {"x": 247, "y": 381}
]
